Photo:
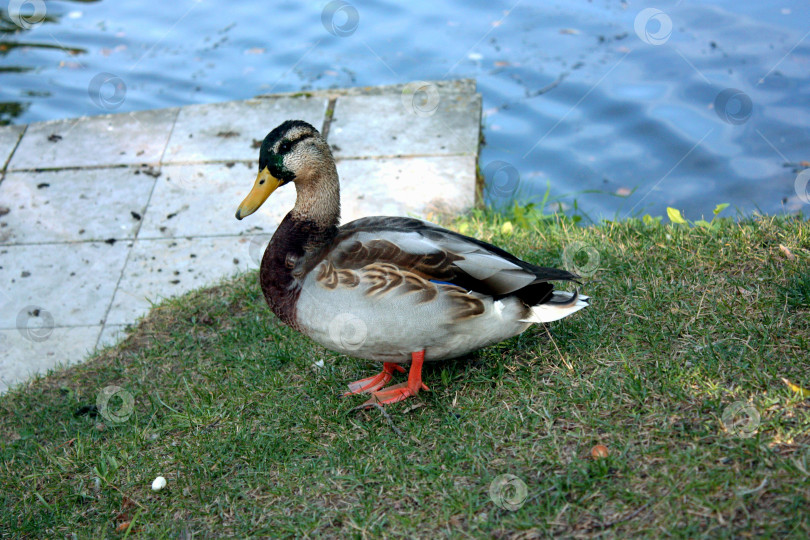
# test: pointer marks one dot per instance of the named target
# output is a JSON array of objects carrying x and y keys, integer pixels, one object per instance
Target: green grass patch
[{"x": 676, "y": 368}]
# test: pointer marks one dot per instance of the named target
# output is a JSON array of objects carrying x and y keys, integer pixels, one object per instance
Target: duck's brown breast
[{"x": 296, "y": 247}]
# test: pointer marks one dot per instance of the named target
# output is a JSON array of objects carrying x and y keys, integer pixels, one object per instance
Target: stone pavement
[{"x": 102, "y": 216}]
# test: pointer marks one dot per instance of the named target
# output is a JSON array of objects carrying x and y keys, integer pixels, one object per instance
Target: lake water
[{"x": 620, "y": 108}]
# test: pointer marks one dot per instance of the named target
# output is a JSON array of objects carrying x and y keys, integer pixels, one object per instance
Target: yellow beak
[{"x": 265, "y": 184}]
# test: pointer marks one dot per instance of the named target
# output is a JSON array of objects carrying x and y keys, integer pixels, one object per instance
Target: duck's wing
[{"x": 415, "y": 247}]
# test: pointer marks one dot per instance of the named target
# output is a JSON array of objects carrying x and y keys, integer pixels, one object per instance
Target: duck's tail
[{"x": 561, "y": 304}]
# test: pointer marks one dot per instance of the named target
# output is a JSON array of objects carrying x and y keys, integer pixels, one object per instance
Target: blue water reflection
[{"x": 609, "y": 103}]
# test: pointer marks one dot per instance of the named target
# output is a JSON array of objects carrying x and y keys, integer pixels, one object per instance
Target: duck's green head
[{"x": 287, "y": 154}]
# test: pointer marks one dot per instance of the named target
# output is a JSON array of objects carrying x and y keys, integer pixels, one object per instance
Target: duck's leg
[
  {"x": 370, "y": 384},
  {"x": 401, "y": 391}
]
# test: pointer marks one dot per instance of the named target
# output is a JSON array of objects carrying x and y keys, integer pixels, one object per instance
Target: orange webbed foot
[
  {"x": 399, "y": 392},
  {"x": 371, "y": 384},
  {"x": 393, "y": 394}
]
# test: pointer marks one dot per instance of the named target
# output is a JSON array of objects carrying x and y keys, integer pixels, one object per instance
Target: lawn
[{"x": 677, "y": 369}]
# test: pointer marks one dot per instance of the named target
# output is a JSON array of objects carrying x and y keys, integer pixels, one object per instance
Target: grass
[{"x": 254, "y": 439}]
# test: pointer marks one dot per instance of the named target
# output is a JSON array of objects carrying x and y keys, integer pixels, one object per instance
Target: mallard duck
[{"x": 389, "y": 289}]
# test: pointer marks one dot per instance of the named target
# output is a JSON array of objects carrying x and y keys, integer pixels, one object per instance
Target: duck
[{"x": 395, "y": 290}]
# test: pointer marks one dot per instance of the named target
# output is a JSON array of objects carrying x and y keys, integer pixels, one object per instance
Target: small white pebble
[
  {"x": 318, "y": 364},
  {"x": 158, "y": 483}
]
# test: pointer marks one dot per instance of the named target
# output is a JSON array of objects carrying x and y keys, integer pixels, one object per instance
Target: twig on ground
[
  {"x": 388, "y": 419},
  {"x": 566, "y": 362}
]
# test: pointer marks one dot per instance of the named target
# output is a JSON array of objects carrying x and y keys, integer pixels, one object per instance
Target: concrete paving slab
[
  {"x": 59, "y": 284},
  {"x": 9, "y": 135},
  {"x": 201, "y": 200},
  {"x": 116, "y": 139},
  {"x": 159, "y": 269},
  {"x": 372, "y": 126},
  {"x": 397, "y": 186},
  {"x": 23, "y": 356},
  {"x": 229, "y": 131},
  {"x": 73, "y": 205}
]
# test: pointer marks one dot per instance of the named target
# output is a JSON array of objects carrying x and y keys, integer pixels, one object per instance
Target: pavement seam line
[
  {"x": 168, "y": 140},
  {"x": 148, "y": 238},
  {"x": 131, "y": 247},
  {"x": 14, "y": 150},
  {"x": 137, "y": 166}
]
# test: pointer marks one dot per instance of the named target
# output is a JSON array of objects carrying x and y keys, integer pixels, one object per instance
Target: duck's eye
[{"x": 284, "y": 147}]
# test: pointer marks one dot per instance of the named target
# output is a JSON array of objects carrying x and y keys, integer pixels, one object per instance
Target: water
[{"x": 614, "y": 116}]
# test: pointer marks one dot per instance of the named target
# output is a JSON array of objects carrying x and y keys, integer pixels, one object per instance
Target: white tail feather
[{"x": 550, "y": 312}]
